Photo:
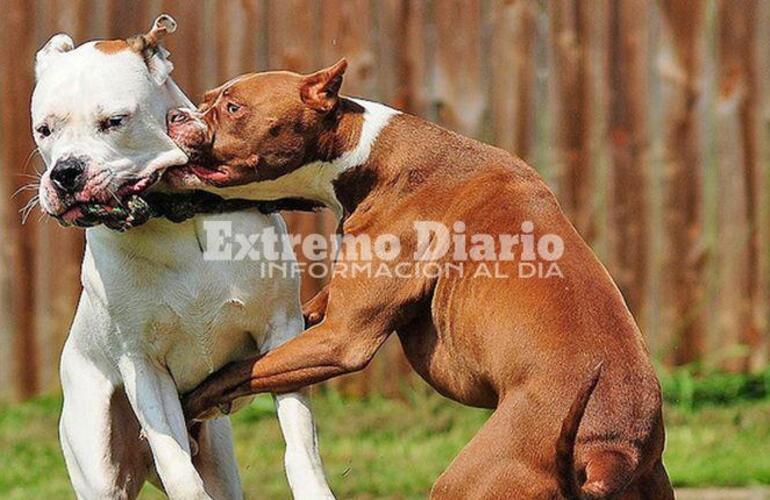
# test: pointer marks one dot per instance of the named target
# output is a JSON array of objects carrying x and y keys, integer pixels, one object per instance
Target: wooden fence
[{"x": 650, "y": 120}]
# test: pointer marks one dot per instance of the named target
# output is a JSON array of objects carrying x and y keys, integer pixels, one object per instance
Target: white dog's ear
[
  {"x": 57, "y": 45},
  {"x": 159, "y": 65},
  {"x": 154, "y": 54}
]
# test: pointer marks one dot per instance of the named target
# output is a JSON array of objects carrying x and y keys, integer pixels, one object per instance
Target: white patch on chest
[
  {"x": 158, "y": 295},
  {"x": 314, "y": 181}
]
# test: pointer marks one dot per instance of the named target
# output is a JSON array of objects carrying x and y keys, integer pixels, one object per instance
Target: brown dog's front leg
[
  {"x": 314, "y": 309},
  {"x": 316, "y": 355}
]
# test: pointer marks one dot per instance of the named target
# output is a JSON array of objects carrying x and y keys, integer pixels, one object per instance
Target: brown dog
[{"x": 577, "y": 404}]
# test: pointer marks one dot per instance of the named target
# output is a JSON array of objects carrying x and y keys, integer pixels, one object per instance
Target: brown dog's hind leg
[
  {"x": 654, "y": 485},
  {"x": 500, "y": 460},
  {"x": 512, "y": 456}
]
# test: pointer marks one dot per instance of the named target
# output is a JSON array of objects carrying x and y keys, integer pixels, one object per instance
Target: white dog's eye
[
  {"x": 112, "y": 122},
  {"x": 44, "y": 130}
]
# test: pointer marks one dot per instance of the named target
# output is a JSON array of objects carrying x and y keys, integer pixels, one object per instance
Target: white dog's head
[{"x": 99, "y": 120}]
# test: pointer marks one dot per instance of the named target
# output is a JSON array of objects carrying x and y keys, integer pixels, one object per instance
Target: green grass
[
  {"x": 380, "y": 448},
  {"x": 719, "y": 445}
]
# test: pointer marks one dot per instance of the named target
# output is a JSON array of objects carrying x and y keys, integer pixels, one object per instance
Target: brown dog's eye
[
  {"x": 232, "y": 108},
  {"x": 275, "y": 130}
]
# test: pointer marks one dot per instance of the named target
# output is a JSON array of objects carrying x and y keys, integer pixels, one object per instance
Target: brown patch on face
[{"x": 112, "y": 46}]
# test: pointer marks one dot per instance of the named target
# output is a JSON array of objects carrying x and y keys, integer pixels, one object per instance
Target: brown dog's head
[{"x": 256, "y": 127}]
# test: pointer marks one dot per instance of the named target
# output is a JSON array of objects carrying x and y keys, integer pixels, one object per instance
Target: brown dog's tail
[{"x": 607, "y": 472}]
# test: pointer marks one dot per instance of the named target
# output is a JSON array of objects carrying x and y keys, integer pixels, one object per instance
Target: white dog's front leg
[
  {"x": 94, "y": 405},
  {"x": 302, "y": 460},
  {"x": 153, "y": 396}
]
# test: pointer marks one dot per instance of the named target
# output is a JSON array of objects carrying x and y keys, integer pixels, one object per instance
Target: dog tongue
[
  {"x": 72, "y": 214},
  {"x": 205, "y": 172},
  {"x": 138, "y": 186},
  {"x": 226, "y": 176}
]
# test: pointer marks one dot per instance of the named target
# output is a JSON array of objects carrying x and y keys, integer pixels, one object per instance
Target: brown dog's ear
[{"x": 320, "y": 90}]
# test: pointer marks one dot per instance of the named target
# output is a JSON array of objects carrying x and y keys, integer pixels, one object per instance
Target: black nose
[
  {"x": 177, "y": 116},
  {"x": 68, "y": 174}
]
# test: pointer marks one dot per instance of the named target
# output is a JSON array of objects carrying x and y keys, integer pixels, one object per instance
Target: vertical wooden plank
[
  {"x": 403, "y": 55},
  {"x": 186, "y": 44},
  {"x": 627, "y": 83},
  {"x": 512, "y": 68},
  {"x": 126, "y": 18},
  {"x": 17, "y": 49},
  {"x": 99, "y": 20},
  {"x": 346, "y": 31},
  {"x": 403, "y": 60},
  {"x": 682, "y": 277},
  {"x": 460, "y": 93},
  {"x": 7, "y": 248},
  {"x": 207, "y": 60},
  {"x": 758, "y": 336},
  {"x": 572, "y": 125},
  {"x": 58, "y": 251},
  {"x": 652, "y": 324},
  {"x": 293, "y": 34},
  {"x": 597, "y": 41},
  {"x": 355, "y": 30},
  {"x": 543, "y": 157},
  {"x": 739, "y": 283},
  {"x": 239, "y": 38},
  {"x": 762, "y": 304},
  {"x": 74, "y": 17}
]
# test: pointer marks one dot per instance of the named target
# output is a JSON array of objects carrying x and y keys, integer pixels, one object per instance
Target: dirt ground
[{"x": 723, "y": 494}]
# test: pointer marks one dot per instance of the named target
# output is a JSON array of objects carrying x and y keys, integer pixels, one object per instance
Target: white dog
[{"x": 155, "y": 318}]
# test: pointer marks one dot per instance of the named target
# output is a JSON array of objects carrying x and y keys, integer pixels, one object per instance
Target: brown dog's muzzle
[
  {"x": 188, "y": 129},
  {"x": 177, "y": 116}
]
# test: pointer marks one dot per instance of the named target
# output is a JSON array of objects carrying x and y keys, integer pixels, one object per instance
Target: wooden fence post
[
  {"x": 460, "y": 96},
  {"x": 21, "y": 375},
  {"x": 762, "y": 302},
  {"x": 58, "y": 251},
  {"x": 512, "y": 75},
  {"x": 629, "y": 238},
  {"x": 240, "y": 38},
  {"x": 403, "y": 56},
  {"x": 682, "y": 276},
  {"x": 569, "y": 77},
  {"x": 738, "y": 246},
  {"x": 293, "y": 45}
]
